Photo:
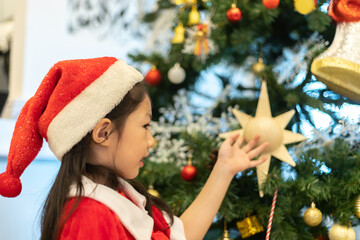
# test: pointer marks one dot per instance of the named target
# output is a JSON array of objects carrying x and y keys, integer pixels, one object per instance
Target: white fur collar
[{"x": 131, "y": 213}]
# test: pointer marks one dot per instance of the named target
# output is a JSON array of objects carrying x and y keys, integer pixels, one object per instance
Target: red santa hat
[{"x": 71, "y": 99}]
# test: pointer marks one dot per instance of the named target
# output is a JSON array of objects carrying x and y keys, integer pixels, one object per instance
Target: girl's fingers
[
  {"x": 251, "y": 144},
  {"x": 253, "y": 153},
  {"x": 239, "y": 141},
  {"x": 257, "y": 162},
  {"x": 231, "y": 139}
]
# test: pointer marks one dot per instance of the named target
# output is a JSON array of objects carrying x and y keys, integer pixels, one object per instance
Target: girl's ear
[{"x": 101, "y": 132}]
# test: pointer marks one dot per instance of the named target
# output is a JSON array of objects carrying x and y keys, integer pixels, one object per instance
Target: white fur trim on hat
[{"x": 81, "y": 115}]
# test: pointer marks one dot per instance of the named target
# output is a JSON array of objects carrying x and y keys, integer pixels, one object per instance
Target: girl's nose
[{"x": 151, "y": 141}]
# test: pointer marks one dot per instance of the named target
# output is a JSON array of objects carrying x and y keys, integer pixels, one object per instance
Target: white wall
[
  {"x": 41, "y": 39},
  {"x": 47, "y": 41}
]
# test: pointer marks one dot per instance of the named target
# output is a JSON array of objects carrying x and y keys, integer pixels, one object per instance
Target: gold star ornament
[{"x": 271, "y": 130}]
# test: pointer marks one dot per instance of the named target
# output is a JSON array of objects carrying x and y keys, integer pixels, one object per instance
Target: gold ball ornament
[
  {"x": 305, "y": 6},
  {"x": 153, "y": 192},
  {"x": 312, "y": 216},
  {"x": 258, "y": 68},
  {"x": 269, "y": 130},
  {"x": 357, "y": 207},
  {"x": 339, "y": 232}
]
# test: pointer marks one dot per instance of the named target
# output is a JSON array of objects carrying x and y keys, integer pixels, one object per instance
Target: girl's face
[{"x": 133, "y": 144}]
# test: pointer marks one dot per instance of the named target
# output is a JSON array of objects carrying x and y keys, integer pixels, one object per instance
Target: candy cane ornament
[{"x": 271, "y": 215}]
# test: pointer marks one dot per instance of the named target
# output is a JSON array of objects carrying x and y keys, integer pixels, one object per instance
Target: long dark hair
[{"x": 74, "y": 165}]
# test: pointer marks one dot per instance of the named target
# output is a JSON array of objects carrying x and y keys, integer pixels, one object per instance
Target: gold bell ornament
[
  {"x": 194, "y": 16},
  {"x": 179, "y": 34},
  {"x": 249, "y": 226},
  {"x": 339, "y": 232},
  {"x": 312, "y": 216},
  {"x": 153, "y": 192},
  {"x": 339, "y": 66},
  {"x": 225, "y": 235}
]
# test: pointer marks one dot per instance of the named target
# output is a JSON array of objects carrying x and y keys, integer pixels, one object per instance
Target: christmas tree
[{"x": 264, "y": 41}]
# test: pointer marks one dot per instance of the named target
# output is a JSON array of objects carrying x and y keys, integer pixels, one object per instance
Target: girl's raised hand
[{"x": 234, "y": 157}]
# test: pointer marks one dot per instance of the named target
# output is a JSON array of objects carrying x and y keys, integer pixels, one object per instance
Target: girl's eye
[{"x": 146, "y": 126}]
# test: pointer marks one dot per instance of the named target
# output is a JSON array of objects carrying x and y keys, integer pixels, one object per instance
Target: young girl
[{"x": 95, "y": 115}]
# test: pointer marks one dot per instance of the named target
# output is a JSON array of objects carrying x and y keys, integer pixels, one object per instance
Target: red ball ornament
[
  {"x": 234, "y": 14},
  {"x": 189, "y": 172},
  {"x": 271, "y": 4},
  {"x": 153, "y": 77}
]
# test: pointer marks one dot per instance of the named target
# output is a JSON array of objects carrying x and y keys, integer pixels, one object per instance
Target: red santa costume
[
  {"x": 71, "y": 99},
  {"x": 107, "y": 214}
]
